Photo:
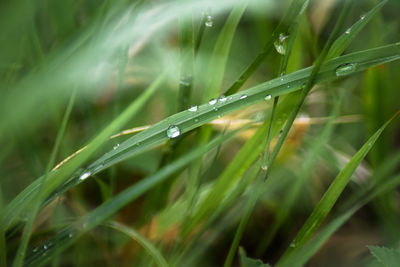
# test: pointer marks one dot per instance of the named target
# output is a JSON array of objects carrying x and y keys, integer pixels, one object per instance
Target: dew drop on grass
[
  {"x": 45, "y": 247},
  {"x": 280, "y": 44},
  {"x": 264, "y": 167},
  {"x": 362, "y": 16},
  {"x": 173, "y": 131},
  {"x": 193, "y": 109},
  {"x": 292, "y": 245},
  {"x": 345, "y": 69},
  {"x": 212, "y": 101},
  {"x": 242, "y": 96},
  {"x": 267, "y": 97},
  {"x": 115, "y": 146},
  {"x": 85, "y": 176},
  {"x": 348, "y": 31},
  {"x": 222, "y": 98},
  {"x": 209, "y": 22}
]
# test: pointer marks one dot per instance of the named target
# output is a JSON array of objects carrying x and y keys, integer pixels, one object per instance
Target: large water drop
[{"x": 173, "y": 131}]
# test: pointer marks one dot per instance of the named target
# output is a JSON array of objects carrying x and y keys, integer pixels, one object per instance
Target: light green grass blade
[
  {"x": 386, "y": 256},
  {"x": 38, "y": 198},
  {"x": 291, "y": 14},
  {"x": 300, "y": 256},
  {"x": 332, "y": 194},
  {"x": 149, "y": 247},
  {"x": 71, "y": 233},
  {"x": 346, "y": 38},
  {"x": 217, "y": 64},
  {"x": 188, "y": 120},
  {"x": 16, "y": 208}
]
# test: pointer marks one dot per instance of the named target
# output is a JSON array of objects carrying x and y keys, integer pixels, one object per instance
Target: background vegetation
[{"x": 199, "y": 133}]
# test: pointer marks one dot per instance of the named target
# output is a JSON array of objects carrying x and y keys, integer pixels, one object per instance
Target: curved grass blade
[
  {"x": 150, "y": 248},
  {"x": 300, "y": 256},
  {"x": 332, "y": 194},
  {"x": 38, "y": 198},
  {"x": 346, "y": 38},
  {"x": 71, "y": 233},
  {"x": 221, "y": 50},
  {"x": 16, "y": 209},
  {"x": 188, "y": 120},
  {"x": 292, "y": 12}
]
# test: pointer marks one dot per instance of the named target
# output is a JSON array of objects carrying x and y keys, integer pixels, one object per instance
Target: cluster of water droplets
[
  {"x": 209, "y": 21},
  {"x": 280, "y": 43}
]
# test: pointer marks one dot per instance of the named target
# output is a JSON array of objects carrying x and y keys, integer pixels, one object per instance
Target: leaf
[
  {"x": 388, "y": 257},
  {"x": 249, "y": 262}
]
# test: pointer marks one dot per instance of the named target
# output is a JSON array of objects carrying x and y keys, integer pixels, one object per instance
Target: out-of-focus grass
[{"x": 181, "y": 200}]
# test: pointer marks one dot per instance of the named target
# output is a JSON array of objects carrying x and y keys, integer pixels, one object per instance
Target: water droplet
[
  {"x": 280, "y": 44},
  {"x": 115, "y": 146},
  {"x": 345, "y": 69},
  {"x": 281, "y": 79},
  {"x": 193, "y": 108},
  {"x": 85, "y": 176},
  {"x": 173, "y": 131},
  {"x": 209, "y": 22},
  {"x": 212, "y": 101},
  {"x": 267, "y": 97},
  {"x": 292, "y": 245},
  {"x": 184, "y": 82},
  {"x": 242, "y": 96},
  {"x": 264, "y": 167},
  {"x": 222, "y": 98},
  {"x": 35, "y": 249},
  {"x": 70, "y": 235},
  {"x": 348, "y": 31},
  {"x": 362, "y": 16},
  {"x": 215, "y": 109},
  {"x": 45, "y": 247},
  {"x": 196, "y": 120}
]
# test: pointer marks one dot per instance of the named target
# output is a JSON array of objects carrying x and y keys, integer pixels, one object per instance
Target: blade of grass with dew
[
  {"x": 142, "y": 241},
  {"x": 214, "y": 75},
  {"x": 72, "y": 232},
  {"x": 350, "y": 34},
  {"x": 308, "y": 85},
  {"x": 292, "y": 12},
  {"x": 16, "y": 208},
  {"x": 301, "y": 256},
  {"x": 38, "y": 197},
  {"x": 332, "y": 194},
  {"x": 217, "y": 64},
  {"x": 187, "y": 120},
  {"x": 186, "y": 46},
  {"x": 294, "y": 189},
  {"x": 251, "y": 202}
]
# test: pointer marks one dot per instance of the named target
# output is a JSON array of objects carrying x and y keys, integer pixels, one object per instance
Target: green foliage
[{"x": 287, "y": 92}]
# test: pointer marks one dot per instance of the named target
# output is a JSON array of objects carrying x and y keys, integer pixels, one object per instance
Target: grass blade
[
  {"x": 332, "y": 194},
  {"x": 151, "y": 250}
]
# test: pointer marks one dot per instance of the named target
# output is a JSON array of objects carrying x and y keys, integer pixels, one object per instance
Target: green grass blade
[
  {"x": 332, "y": 194},
  {"x": 150, "y": 248},
  {"x": 186, "y": 45},
  {"x": 38, "y": 198},
  {"x": 292, "y": 12},
  {"x": 386, "y": 256},
  {"x": 221, "y": 50},
  {"x": 346, "y": 38},
  {"x": 16, "y": 208},
  {"x": 299, "y": 257},
  {"x": 71, "y": 233}
]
